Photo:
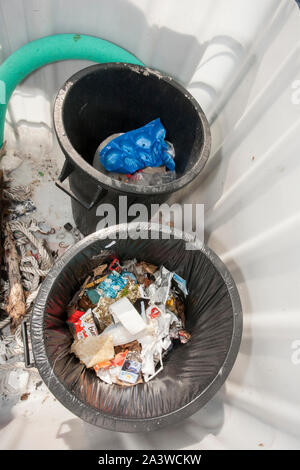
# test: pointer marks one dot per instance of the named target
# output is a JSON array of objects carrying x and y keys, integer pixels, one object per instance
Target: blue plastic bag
[
  {"x": 138, "y": 149},
  {"x": 109, "y": 287}
]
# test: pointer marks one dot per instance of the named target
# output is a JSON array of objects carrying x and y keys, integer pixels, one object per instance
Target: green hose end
[{"x": 50, "y": 49}]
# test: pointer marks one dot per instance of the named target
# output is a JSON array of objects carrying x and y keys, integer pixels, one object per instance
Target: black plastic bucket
[
  {"x": 192, "y": 373},
  {"x": 105, "y": 99}
]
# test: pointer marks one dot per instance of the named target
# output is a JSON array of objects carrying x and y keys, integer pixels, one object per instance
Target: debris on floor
[
  {"x": 126, "y": 318},
  {"x": 22, "y": 208},
  {"x": 29, "y": 248},
  {"x": 24, "y": 396}
]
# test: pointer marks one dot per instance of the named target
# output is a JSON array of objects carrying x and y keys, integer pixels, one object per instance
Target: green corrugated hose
[{"x": 49, "y": 49}]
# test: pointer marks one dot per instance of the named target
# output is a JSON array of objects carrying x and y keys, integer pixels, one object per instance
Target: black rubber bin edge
[
  {"x": 126, "y": 425},
  {"x": 106, "y": 182}
]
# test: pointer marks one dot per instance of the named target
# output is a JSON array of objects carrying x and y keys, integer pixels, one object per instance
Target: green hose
[{"x": 49, "y": 49}]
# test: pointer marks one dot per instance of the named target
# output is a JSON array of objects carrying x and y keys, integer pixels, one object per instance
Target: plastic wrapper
[
  {"x": 159, "y": 321},
  {"x": 132, "y": 346},
  {"x": 149, "y": 179},
  {"x": 82, "y": 324},
  {"x": 192, "y": 373},
  {"x": 131, "y": 368},
  {"x": 171, "y": 304},
  {"x": 181, "y": 283},
  {"x": 159, "y": 292},
  {"x": 101, "y": 311},
  {"x": 153, "y": 312},
  {"x": 184, "y": 336},
  {"x": 112, "y": 285},
  {"x": 154, "y": 179},
  {"x": 137, "y": 149},
  {"x": 176, "y": 305},
  {"x": 93, "y": 296},
  {"x": 148, "y": 344},
  {"x": 131, "y": 291},
  {"x": 117, "y": 361},
  {"x": 108, "y": 287},
  {"x": 109, "y": 376},
  {"x": 119, "y": 334},
  {"x": 130, "y": 276}
]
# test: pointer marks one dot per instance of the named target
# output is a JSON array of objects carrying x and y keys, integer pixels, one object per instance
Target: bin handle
[
  {"x": 24, "y": 334},
  {"x": 65, "y": 173}
]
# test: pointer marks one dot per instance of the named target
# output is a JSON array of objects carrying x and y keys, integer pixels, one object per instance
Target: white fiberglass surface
[{"x": 241, "y": 61}]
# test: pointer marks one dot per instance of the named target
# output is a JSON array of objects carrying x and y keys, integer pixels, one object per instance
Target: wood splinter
[{"x": 16, "y": 306}]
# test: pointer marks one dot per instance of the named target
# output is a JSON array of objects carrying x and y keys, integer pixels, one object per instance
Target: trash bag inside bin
[{"x": 191, "y": 374}]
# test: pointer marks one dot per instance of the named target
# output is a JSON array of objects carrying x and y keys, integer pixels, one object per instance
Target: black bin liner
[
  {"x": 192, "y": 373},
  {"x": 105, "y": 99}
]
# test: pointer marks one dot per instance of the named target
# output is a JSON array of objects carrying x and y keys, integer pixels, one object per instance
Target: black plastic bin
[
  {"x": 104, "y": 99},
  {"x": 192, "y": 373}
]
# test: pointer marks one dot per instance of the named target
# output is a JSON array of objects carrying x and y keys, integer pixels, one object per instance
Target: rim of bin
[
  {"x": 106, "y": 181},
  {"x": 91, "y": 414}
]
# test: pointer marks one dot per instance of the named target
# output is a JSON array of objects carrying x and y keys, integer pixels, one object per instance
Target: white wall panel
[{"x": 239, "y": 58}]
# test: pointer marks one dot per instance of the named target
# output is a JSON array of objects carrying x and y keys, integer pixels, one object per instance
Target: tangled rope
[
  {"x": 26, "y": 230},
  {"x": 4, "y": 287},
  {"x": 4, "y": 323},
  {"x": 18, "y": 193},
  {"x": 31, "y": 270},
  {"x": 35, "y": 263}
]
